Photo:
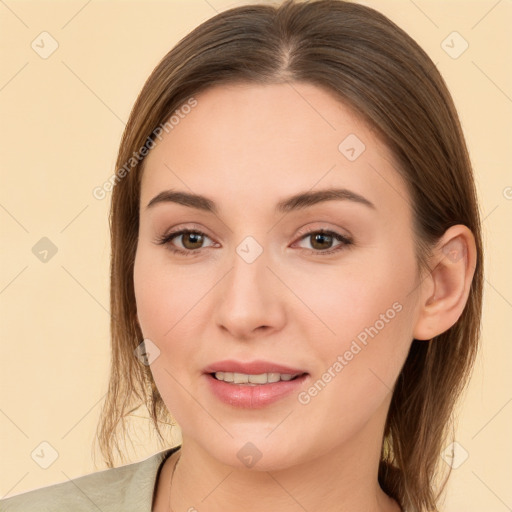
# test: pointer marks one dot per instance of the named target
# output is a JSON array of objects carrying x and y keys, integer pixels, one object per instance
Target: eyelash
[{"x": 166, "y": 239}]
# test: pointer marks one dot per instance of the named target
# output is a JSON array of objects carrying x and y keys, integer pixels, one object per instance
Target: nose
[{"x": 250, "y": 300}]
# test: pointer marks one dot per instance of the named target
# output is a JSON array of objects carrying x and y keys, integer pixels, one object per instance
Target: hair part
[{"x": 375, "y": 68}]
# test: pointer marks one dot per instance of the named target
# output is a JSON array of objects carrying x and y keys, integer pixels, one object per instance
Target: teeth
[
  {"x": 243, "y": 378},
  {"x": 240, "y": 378}
]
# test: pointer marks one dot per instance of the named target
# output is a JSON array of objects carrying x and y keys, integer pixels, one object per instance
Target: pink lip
[
  {"x": 253, "y": 396},
  {"x": 251, "y": 368}
]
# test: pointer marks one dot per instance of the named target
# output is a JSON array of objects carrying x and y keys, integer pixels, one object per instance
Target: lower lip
[{"x": 253, "y": 397}]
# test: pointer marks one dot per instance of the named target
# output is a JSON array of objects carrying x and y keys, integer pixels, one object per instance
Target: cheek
[
  {"x": 170, "y": 310},
  {"x": 359, "y": 298},
  {"x": 358, "y": 368},
  {"x": 164, "y": 296},
  {"x": 165, "y": 302},
  {"x": 368, "y": 314}
]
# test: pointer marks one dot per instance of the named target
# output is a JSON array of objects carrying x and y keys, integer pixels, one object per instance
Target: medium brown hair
[{"x": 375, "y": 68}]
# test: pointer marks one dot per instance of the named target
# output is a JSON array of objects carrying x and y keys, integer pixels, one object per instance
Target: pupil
[
  {"x": 321, "y": 236},
  {"x": 192, "y": 236}
]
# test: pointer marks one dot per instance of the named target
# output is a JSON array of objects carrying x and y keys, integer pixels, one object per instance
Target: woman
[{"x": 296, "y": 270}]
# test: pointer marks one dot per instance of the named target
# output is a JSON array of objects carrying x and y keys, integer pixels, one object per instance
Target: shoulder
[{"x": 125, "y": 488}]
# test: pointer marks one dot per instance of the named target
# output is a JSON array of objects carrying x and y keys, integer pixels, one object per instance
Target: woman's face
[{"x": 259, "y": 283}]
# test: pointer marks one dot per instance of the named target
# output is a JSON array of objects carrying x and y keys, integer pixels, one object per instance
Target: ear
[{"x": 445, "y": 291}]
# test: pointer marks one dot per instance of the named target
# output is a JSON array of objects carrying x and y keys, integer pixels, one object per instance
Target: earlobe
[{"x": 445, "y": 292}]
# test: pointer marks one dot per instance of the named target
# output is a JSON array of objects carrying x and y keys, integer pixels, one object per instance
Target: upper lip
[{"x": 251, "y": 367}]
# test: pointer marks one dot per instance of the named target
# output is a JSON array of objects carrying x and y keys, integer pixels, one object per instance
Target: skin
[{"x": 247, "y": 147}]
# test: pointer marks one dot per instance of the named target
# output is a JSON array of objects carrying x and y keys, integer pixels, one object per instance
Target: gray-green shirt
[{"x": 128, "y": 488}]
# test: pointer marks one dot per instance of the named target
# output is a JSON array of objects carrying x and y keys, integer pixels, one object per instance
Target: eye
[
  {"x": 322, "y": 240},
  {"x": 191, "y": 241}
]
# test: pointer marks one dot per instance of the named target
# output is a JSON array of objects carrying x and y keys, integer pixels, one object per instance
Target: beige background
[{"x": 62, "y": 119}]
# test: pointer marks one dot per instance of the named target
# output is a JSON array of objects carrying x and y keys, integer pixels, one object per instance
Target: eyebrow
[{"x": 296, "y": 202}]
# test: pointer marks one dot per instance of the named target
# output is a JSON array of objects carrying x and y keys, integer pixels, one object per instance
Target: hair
[{"x": 371, "y": 65}]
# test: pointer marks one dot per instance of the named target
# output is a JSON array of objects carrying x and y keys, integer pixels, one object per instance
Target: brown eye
[
  {"x": 192, "y": 240},
  {"x": 321, "y": 241}
]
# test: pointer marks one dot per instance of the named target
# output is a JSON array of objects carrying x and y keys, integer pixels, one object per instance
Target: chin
[{"x": 254, "y": 453}]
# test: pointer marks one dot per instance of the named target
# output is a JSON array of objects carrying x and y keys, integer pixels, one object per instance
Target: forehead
[{"x": 246, "y": 141}]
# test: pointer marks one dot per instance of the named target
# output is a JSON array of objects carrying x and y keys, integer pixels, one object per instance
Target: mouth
[
  {"x": 254, "y": 390},
  {"x": 260, "y": 379},
  {"x": 253, "y": 384}
]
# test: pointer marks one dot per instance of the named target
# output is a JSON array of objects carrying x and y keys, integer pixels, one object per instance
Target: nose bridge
[
  {"x": 249, "y": 269},
  {"x": 248, "y": 298}
]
